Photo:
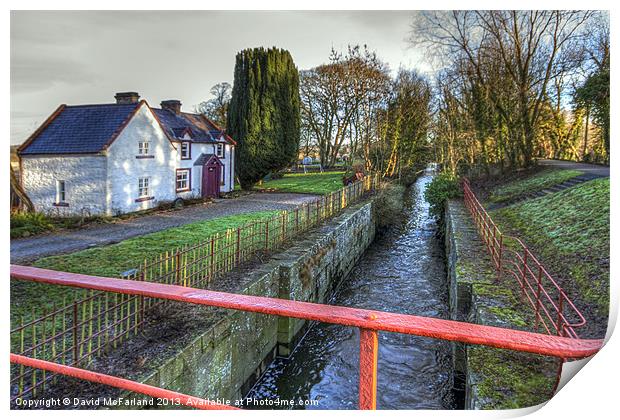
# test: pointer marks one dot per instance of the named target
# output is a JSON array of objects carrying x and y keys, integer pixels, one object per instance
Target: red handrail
[
  {"x": 100, "y": 378},
  {"x": 368, "y": 321},
  {"x": 554, "y": 310}
]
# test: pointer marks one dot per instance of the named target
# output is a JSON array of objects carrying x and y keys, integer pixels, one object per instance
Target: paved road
[
  {"x": 29, "y": 249},
  {"x": 584, "y": 167}
]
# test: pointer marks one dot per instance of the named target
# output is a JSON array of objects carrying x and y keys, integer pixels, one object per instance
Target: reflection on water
[{"x": 403, "y": 271}]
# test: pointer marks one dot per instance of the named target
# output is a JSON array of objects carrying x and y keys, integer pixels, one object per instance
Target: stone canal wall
[
  {"x": 235, "y": 348},
  {"x": 490, "y": 378}
]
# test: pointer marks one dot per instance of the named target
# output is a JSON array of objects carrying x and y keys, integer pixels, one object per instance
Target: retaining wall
[
  {"x": 226, "y": 360},
  {"x": 490, "y": 378}
]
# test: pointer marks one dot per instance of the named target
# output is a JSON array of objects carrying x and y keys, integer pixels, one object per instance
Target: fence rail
[
  {"x": 554, "y": 311},
  {"x": 367, "y": 321},
  {"x": 75, "y": 332}
]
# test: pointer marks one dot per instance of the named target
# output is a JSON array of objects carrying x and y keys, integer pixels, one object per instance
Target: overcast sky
[{"x": 86, "y": 57}]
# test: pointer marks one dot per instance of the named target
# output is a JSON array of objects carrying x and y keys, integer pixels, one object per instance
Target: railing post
[
  {"x": 524, "y": 271},
  {"x": 297, "y": 219},
  {"x": 141, "y": 299},
  {"x": 538, "y": 291},
  {"x": 369, "y": 352},
  {"x": 75, "y": 333},
  {"x": 560, "y": 315},
  {"x": 238, "y": 245},
  {"x": 266, "y": 235},
  {"x": 501, "y": 248},
  {"x": 177, "y": 263},
  {"x": 212, "y": 268}
]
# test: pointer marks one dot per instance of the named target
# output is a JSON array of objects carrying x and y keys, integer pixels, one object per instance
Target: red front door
[{"x": 211, "y": 174}]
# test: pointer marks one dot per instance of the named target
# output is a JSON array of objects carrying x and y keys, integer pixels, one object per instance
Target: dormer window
[
  {"x": 186, "y": 150},
  {"x": 219, "y": 150}
]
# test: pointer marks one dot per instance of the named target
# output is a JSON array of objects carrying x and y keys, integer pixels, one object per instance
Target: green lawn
[
  {"x": 569, "y": 230},
  {"x": 111, "y": 260},
  {"x": 311, "y": 183},
  {"x": 539, "y": 181}
]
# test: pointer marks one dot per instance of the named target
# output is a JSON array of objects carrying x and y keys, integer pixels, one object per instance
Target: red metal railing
[
  {"x": 100, "y": 378},
  {"x": 554, "y": 312},
  {"x": 82, "y": 327},
  {"x": 369, "y": 322}
]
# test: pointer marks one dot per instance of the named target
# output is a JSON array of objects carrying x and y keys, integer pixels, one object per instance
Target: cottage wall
[
  {"x": 108, "y": 183},
  {"x": 85, "y": 183},
  {"x": 125, "y": 166}
]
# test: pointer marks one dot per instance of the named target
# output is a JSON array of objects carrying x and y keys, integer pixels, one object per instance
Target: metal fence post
[
  {"x": 177, "y": 263},
  {"x": 538, "y": 291},
  {"x": 238, "y": 245},
  {"x": 369, "y": 352},
  {"x": 75, "y": 333}
]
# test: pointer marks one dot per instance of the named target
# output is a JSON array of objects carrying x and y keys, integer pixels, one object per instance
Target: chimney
[
  {"x": 127, "y": 97},
  {"x": 172, "y": 105}
]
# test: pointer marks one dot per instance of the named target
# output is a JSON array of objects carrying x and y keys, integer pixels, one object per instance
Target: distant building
[{"x": 123, "y": 157}]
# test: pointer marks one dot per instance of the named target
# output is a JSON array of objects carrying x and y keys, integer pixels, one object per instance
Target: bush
[
  {"x": 409, "y": 175},
  {"x": 26, "y": 224},
  {"x": 389, "y": 205},
  {"x": 441, "y": 188}
]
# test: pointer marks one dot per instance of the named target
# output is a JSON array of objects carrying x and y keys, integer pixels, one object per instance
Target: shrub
[
  {"x": 441, "y": 188},
  {"x": 389, "y": 205},
  {"x": 26, "y": 224},
  {"x": 409, "y": 175}
]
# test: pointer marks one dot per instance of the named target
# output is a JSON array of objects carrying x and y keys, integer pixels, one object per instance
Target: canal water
[{"x": 402, "y": 271}]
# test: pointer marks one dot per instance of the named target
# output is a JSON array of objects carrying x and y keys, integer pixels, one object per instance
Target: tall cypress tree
[{"x": 263, "y": 115}]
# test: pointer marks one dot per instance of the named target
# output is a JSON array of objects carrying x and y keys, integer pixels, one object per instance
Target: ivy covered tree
[{"x": 263, "y": 114}]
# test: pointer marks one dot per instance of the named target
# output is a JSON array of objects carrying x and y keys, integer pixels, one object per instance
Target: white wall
[
  {"x": 85, "y": 183},
  {"x": 124, "y": 168}
]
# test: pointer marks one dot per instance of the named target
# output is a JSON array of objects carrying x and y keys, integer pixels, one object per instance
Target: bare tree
[{"x": 216, "y": 108}]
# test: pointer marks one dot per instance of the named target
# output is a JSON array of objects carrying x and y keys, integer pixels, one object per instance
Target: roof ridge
[{"x": 109, "y": 104}]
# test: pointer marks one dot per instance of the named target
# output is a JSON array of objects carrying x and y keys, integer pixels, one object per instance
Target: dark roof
[
  {"x": 79, "y": 129},
  {"x": 202, "y": 130},
  {"x": 204, "y": 158}
]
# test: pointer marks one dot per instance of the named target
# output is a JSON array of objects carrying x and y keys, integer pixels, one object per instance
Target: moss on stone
[
  {"x": 495, "y": 378},
  {"x": 505, "y": 379}
]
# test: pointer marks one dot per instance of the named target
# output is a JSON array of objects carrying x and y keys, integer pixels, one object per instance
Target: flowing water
[{"x": 402, "y": 271}]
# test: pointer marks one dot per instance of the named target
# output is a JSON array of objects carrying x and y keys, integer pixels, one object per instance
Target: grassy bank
[
  {"x": 569, "y": 230},
  {"x": 111, "y": 260},
  {"x": 544, "y": 179},
  {"x": 311, "y": 183}
]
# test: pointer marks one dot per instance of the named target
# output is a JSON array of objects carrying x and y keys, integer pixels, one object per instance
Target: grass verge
[
  {"x": 311, "y": 183},
  {"x": 111, "y": 260},
  {"x": 569, "y": 230},
  {"x": 537, "y": 182}
]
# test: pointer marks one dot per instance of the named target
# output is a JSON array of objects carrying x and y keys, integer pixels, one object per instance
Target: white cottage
[{"x": 124, "y": 157}]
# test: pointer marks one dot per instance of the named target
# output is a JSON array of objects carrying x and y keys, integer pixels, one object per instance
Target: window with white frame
[
  {"x": 143, "y": 148},
  {"x": 61, "y": 192},
  {"x": 143, "y": 187},
  {"x": 222, "y": 177},
  {"x": 219, "y": 150},
  {"x": 183, "y": 176},
  {"x": 186, "y": 150}
]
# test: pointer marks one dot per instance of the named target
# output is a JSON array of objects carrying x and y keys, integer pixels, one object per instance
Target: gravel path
[
  {"x": 27, "y": 250},
  {"x": 598, "y": 170}
]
